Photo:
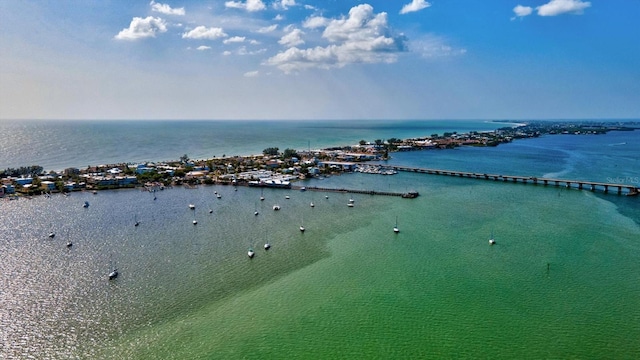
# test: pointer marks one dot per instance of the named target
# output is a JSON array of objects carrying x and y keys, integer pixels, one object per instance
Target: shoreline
[{"x": 290, "y": 165}]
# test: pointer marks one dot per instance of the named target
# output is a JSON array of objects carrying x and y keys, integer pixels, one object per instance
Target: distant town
[{"x": 273, "y": 167}]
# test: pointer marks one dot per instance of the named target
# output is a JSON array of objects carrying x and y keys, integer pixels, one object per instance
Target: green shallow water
[{"x": 561, "y": 282}]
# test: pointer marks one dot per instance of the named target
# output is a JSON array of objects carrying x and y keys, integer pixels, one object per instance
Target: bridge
[{"x": 629, "y": 190}]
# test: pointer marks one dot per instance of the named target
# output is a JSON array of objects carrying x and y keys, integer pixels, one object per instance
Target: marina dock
[{"x": 620, "y": 189}]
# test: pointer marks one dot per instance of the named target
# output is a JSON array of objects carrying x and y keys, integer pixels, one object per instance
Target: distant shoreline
[{"x": 33, "y": 180}]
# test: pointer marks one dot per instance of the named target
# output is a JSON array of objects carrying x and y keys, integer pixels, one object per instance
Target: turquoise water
[{"x": 561, "y": 281}]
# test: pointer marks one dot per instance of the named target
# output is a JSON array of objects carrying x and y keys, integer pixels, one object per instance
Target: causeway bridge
[{"x": 629, "y": 190}]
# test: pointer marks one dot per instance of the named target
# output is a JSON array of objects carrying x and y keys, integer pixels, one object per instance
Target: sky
[{"x": 312, "y": 59}]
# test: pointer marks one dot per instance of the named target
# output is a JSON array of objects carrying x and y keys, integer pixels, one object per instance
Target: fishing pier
[
  {"x": 407, "y": 195},
  {"x": 620, "y": 189}
]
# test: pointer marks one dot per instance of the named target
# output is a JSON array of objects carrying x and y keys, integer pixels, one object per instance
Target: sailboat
[
  {"x": 261, "y": 194},
  {"x": 192, "y": 207},
  {"x": 492, "y": 241},
  {"x": 52, "y": 234},
  {"x": 395, "y": 227},
  {"x": 135, "y": 220},
  {"x": 302, "y": 225},
  {"x": 250, "y": 253},
  {"x": 86, "y": 204},
  {"x": 256, "y": 211}
]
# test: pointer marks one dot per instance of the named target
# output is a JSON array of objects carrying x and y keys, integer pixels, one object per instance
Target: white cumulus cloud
[
  {"x": 234, "y": 39},
  {"x": 203, "y": 32},
  {"x": 293, "y": 38},
  {"x": 166, "y": 9},
  {"x": 249, "y": 5},
  {"x": 521, "y": 11},
  {"x": 283, "y": 4},
  {"x": 315, "y": 22},
  {"x": 203, "y": 47},
  {"x": 558, "y": 7},
  {"x": 362, "y": 37},
  {"x": 142, "y": 28},
  {"x": 415, "y": 5},
  {"x": 251, "y": 73}
]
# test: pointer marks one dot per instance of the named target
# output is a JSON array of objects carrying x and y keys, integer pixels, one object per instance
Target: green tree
[
  {"x": 184, "y": 158},
  {"x": 270, "y": 151},
  {"x": 362, "y": 143},
  {"x": 289, "y": 153}
]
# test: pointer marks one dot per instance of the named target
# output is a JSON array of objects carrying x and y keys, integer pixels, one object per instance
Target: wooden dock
[{"x": 620, "y": 189}]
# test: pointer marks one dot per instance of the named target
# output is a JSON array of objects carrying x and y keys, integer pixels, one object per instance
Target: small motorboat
[
  {"x": 113, "y": 274},
  {"x": 267, "y": 246},
  {"x": 192, "y": 207},
  {"x": 276, "y": 207},
  {"x": 195, "y": 222},
  {"x": 69, "y": 244},
  {"x": 250, "y": 253},
  {"x": 52, "y": 235},
  {"x": 86, "y": 204}
]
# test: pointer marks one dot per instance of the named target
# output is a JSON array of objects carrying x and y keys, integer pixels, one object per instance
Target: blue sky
[{"x": 332, "y": 59}]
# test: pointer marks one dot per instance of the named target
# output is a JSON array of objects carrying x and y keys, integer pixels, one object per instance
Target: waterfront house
[
  {"x": 9, "y": 189},
  {"x": 24, "y": 181},
  {"x": 48, "y": 186}
]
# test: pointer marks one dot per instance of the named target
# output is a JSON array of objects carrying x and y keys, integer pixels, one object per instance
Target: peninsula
[{"x": 274, "y": 167}]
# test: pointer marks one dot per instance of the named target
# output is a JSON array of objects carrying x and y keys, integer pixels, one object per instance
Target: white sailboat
[
  {"x": 395, "y": 227},
  {"x": 192, "y": 206},
  {"x": 492, "y": 241},
  {"x": 250, "y": 253},
  {"x": 302, "y": 225},
  {"x": 135, "y": 220},
  {"x": 261, "y": 194}
]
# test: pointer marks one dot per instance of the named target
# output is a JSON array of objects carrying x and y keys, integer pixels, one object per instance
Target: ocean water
[
  {"x": 561, "y": 281},
  {"x": 56, "y": 145}
]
